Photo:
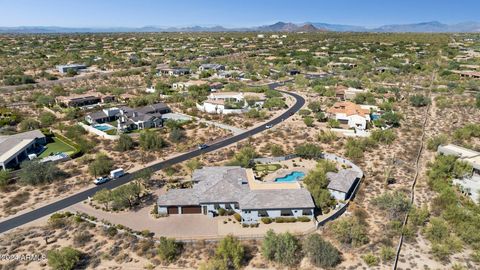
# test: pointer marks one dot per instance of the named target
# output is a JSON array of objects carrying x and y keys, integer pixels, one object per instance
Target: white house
[
  {"x": 230, "y": 102},
  {"x": 354, "y": 115}
]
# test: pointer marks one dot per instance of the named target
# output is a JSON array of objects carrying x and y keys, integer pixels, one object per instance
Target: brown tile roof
[{"x": 348, "y": 108}]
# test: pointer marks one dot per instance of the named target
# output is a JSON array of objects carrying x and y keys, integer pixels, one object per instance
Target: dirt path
[{"x": 417, "y": 171}]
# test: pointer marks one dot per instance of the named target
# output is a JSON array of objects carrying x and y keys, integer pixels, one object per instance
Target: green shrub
[
  {"x": 63, "y": 259},
  {"x": 267, "y": 220},
  {"x": 370, "y": 259},
  {"x": 222, "y": 211},
  {"x": 237, "y": 217},
  {"x": 304, "y": 219},
  {"x": 320, "y": 252},
  {"x": 112, "y": 231},
  {"x": 168, "y": 249}
]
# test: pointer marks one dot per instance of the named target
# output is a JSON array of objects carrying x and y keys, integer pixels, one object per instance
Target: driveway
[{"x": 177, "y": 226}]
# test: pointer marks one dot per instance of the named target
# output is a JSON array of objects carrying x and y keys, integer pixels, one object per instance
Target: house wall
[
  {"x": 252, "y": 216},
  {"x": 338, "y": 195}
]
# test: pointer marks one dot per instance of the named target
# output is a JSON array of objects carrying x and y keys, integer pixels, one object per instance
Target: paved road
[{"x": 76, "y": 198}]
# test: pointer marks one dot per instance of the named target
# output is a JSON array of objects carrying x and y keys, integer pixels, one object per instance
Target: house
[
  {"x": 341, "y": 184},
  {"x": 127, "y": 118},
  {"x": 468, "y": 184},
  {"x": 186, "y": 85},
  {"x": 173, "y": 71},
  {"x": 231, "y": 102},
  {"x": 350, "y": 93},
  {"x": 16, "y": 148},
  {"x": 467, "y": 73},
  {"x": 214, "y": 67},
  {"x": 75, "y": 67},
  {"x": 228, "y": 188},
  {"x": 354, "y": 115},
  {"x": 469, "y": 156},
  {"x": 103, "y": 116},
  {"x": 229, "y": 74},
  {"x": 78, "y": 100}
]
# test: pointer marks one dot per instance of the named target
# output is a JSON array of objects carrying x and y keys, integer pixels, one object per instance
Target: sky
[{"x": 231, "y": 13}]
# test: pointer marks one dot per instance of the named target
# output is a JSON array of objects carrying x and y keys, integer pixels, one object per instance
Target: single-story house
[
  {"x": 467, "y": 73},
  {"x": 231, "y": 102},
  {"x": 83, "y": 99},
  {"x": 186, "y": 85},
  {"x": 74, "y": 67},
  {"x": 228, "y": 188},
  {"x": 469, "y": 156},
  {"x": 174, "y": 71},
  {"x": 342, "y": 183},
  {"x": 16, "y": 148},
  {"x": 354, "y": 115},
  {"x": 215, "y": 67}
]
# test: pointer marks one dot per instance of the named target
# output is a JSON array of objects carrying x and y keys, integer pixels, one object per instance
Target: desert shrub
[
  {"x": 168, "y": 249},
  {"x": 370, "y": 259},
  {"x": 419, "y": 100},
  {"x": 63, "y": 259},
  {"x": 350, "y": 231},
  {"x": 229, "y": 254},
  {"x": 387, "y": 253},
  {"x": 395, "y": 204},
  {"x": 81, "y": 238},
  {"x": 434, "y": 142},
  {"x": 281, "y": 248},
  {"x": 320, "y": 252},
  {"x": 112, "y": 231}
]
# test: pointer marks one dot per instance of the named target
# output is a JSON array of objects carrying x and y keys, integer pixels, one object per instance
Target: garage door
[
  {"x": 194, "y": 209},
  {"x": 172, "y": 210}
]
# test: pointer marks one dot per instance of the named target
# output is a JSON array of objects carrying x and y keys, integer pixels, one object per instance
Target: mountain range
[{"x": 423, "y": 27}]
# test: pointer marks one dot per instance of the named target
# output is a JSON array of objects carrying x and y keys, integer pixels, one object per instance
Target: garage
[
  {"x": 171, "y": 210},
  {"x": 191, "y": 209}
]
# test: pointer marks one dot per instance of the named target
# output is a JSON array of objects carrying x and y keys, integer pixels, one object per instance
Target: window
[
  {"x": 286, "y": 213},
  {"x": 216, "y": 206},
  {"x": 307, "y": 212},
  {"x": 228, "y": 206},
  {"x": 236, "y": 206},
  {"x": 262, "y": 213}
]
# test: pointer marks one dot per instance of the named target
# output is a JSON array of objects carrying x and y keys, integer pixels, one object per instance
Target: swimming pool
[
  {"x": 103, "y": 127},
  {"x": 291, "y": 177}
]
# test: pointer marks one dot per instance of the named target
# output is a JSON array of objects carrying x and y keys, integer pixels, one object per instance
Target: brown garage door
[
  {"x": 192, "y": 209},
  {"x": 172, "y": 210}
]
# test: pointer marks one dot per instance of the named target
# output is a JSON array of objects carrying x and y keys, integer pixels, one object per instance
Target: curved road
[{"x": 81, "y": 196}]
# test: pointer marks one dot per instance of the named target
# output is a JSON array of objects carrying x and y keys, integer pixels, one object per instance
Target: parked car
[
  {"x": 268, "y": 126},
  {"x": 202, "y": 146},
  {"x": 117, "y": 173},
  {"x": 101, "y": 180}
]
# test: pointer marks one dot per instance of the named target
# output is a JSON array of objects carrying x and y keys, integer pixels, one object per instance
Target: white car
[
  {"x": 101, "y": 180},
  {"x": 268, "y": 126}
]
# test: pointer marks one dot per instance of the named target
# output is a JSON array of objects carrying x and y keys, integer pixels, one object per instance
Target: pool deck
[{"x": 259, "y": 185}]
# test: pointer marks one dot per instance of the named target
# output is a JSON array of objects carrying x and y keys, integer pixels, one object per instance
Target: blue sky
[{"x": 231, "y": 13}]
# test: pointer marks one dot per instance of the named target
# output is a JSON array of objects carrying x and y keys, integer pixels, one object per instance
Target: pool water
[
  {"x": 291, "y": 177},
  {"x": 375, "y": 116},
  {"x": 103, "y": 127}
]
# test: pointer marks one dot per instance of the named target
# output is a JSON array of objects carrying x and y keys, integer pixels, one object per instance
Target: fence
[{"x": 273, "y": 159}]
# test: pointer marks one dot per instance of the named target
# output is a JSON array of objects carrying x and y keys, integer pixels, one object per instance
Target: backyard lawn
[
  {"x": 57, "y": 146},
  {"x": 267, "y": 167}
]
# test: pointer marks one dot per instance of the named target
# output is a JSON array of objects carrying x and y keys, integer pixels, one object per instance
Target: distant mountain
[
  {"x": 427, "y": 27},
  {"x": 277, "y": 27},
  {"x": 430, "y": 27},
  {"x": 340, "y": 27}
]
